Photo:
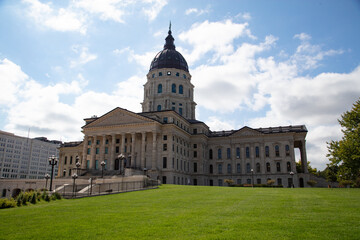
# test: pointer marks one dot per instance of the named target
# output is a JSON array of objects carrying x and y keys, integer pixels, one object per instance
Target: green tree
[
  {"x": 345, "y": 154},
  {"x": 310, "y": 169}
]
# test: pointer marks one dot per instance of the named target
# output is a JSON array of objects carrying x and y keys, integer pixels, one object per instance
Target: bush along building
[{"x": 166, "y": 142}]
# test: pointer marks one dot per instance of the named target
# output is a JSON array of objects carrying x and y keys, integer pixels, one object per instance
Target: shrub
[
  {"x": 57, "y": 196},
  {"x": 312, "y": 183},
  {"x": 345, "y": 183},
  {"x": 270, "y": 182},
  {"x": 230, "y": 182},
  {"x": 6, "y": 203},
  {"x": 19, "y": 199},
  {"x": 44, "y": 194},
  {"x": 33, "y": 198},
  {"x": 47, "y": 198}
]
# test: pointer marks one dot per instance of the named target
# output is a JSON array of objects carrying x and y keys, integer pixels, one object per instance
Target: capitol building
[{"x": 167, "y": 143}]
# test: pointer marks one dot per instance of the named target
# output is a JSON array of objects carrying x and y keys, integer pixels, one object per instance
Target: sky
[{"x": 253, "y": 63}]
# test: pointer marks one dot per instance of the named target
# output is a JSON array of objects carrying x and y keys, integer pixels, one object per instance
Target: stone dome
[{"x": 169, "y": 57}]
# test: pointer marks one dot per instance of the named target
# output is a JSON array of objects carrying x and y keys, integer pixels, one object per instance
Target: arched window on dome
[
  {"x": 181, "y": 89},
  {"x": 173, "y": 88},
  {"x": 159, "y": 107},
  {"x": 160, "y": 88}
]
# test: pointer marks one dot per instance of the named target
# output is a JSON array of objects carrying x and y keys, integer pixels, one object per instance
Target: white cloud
[
  {"x": 196, "y": 11},
  {"x": 84, "y": 56},
  {"x": 215, "y": 37},
  {"x": 63, "y": 19},
  {"x": 143, "y": 60},
  {"x": 246, "y": 16},
  {"x": 217, "y": 124},
  {"x": 153, "y": 8}
]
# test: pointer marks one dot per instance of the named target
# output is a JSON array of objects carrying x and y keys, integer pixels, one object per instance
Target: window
[
  {"x": 89, "y": 142},
  {"x": 184, "y": 76},
  {"x": 229, "y": 168},
  {"x": 219, "y": 153},
  {"x": 97, "y": 151},
  {"x": 164, "y": 162},
  {"x": 278, "y": 168},
  {"x": 288, "y": 166},
  {"x": 163, "y": 179},
  {"x": 195, "y": 154},
  {"x": 248, "y": 168},
  {"x": 220, "y": 168},
  {"x": 237, "y": 152},
  {"x": 257, "y": 152},
  {"x": 117, "y": 149},
  {"x": 195, "y": 181},
  {"x": 195, "y": 167},
  {"x": 66, "y": 158},
  {"x": 153, "y": 75},
  {"x": 210, "y": 154},
  {"x": 258, "y": 181},
  {"x": 180, "y": 111},
  {"x": 160, "y": 88},
  {"x": 267, "y": 152},
  {"x": 159, "y": 107},
  {"x": 238, "y": 181},
  {"x": 287, "y": 150},
  {"x": 165, "y": 120},
  {"x": 96, "y": 164},
  {"x": 69, "y": 172},
  {"x": 195, "y": 131},
  {"x": 220, "y": 182},
  {"x": 195, "y": 145},
  {"x": 258, "y": 167},
  {"x": 248, "y": 181},
  {"x": 181, "y": 89},
  {"x": 238, "y": 168},
  {"x": 87, "y": 164},
  {"x": 160, "y": 74},
  {"x": 173, "y": 88},
  {"x": 165, "y": 137},
  {"x": 277, "y": 151},
  {"x": 247, "y": 152},
  {"x": 97, "y": 142},
  {"x": 228, "y": 153},
  {"x": 268, "y": 167},
  {"x": 279, "y": 181},
  {"x": 88, "y": 151},
  {"x": 117, "y": 140},
  {"x": 71, "y": 158},
  {"x": 168, "y": 73},
  {"x": 165, "y": 147},
  {"x": 177, "y": 74},
  {"x": 211, "y": 170}
]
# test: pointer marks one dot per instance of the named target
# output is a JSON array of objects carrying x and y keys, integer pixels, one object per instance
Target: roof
[{"x": 269, "y": 130}]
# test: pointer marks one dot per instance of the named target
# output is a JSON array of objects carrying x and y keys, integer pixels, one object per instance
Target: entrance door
[{"x": 301, "y": 181}]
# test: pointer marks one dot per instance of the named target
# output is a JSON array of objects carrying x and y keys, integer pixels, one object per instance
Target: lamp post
[
  {"x": 78, "y": 164},
  {"x": 102, "y": 168},
  {"x": 47, "y": 176},
  {"x": 121, "y": 157},
  {"x": 52, "y": 161},
  {"x": 292, "y": 179},
  {"x": 252, "y": 177},
  {"x": 74, "y": 176}
]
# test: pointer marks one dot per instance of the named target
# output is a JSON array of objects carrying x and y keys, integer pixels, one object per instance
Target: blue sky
[{"x": 254, "y": 63}]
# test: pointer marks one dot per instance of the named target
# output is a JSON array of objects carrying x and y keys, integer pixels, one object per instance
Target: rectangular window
[
  {"x": 165, "y": 120},
  {"x": 66, "y": 159},
  {"x": 87, "y": 164},
  {"x": 106, "y": 150},
  {"x": 97, "y": 142},
  {"x": 117, "y": 140},
  {"x": 219, "y": 153},
  {"x": 165, "y": 147},
  {"x": 220, "y": 182},
  {"x": 195, "y": 145},
  {"x": 71, "y": 158},
  {"x": 89, "y": 142},
  {"x": 96, "y": 164},
  {"x": 195, "y": 181},
  {"x": 88, "y": 151},
  {"x": 117, "y": 149},
  {"x": 220, "y": 168},
  {"x": 107, "y": 141},
  {"x": 97, "y": 151},
  {"x": 165, "y": 137},
  {"x": 181, "y": 111},
  {"x": 195, "y": 167},
  {"x": 257, "y": 152},
  {"x": 195, "y": 154},
  {"x": 195, "y": 131},
  {"x": 164, "y": 162},
  {"x": 247, "y": 152}
]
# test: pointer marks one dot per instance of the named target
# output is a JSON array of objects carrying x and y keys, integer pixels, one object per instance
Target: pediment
[
  {"x": 246, "y": 131},
  {"x": 117, "y": 117}
]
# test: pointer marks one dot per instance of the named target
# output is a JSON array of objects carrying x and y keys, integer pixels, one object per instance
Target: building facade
[
  {"x": 26, "y": 158},
  {"x": 166, "y": 142}
]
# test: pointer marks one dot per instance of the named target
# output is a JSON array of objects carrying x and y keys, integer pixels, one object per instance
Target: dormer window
[
  {"x": 177, "y": 74},
  {"x": 160, "y": 74}
]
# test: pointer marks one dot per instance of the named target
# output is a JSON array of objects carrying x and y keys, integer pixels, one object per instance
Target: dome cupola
[{"x": 169, "y": 57}]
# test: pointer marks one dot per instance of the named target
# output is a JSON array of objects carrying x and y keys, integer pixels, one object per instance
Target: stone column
[
  {"x": 143, "y": 135},
  {"x": 102, "y": 149},
  {"x": 122, "y": 150},
  {"x": 112, "y": 153},
  {"x": 93, "y": 156},
  {"x": 84, "y": 155},
  {"x": 303, "y": 158},
  {"x": 153, "y": 162},
  {"x": 133, "y": 149}
]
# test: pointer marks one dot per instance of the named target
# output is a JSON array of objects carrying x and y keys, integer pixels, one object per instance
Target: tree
[
  {"x": 310, "y": 169},
  {"x": 345, "y": 154}
]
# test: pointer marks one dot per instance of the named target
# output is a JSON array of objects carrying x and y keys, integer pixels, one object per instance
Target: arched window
[
  {"x": 257, "y": 152},
  {"x": 229, "y": 168},
  {"x": 268, "y": 167},
  {"x": 258, "y": 167},
  {"x": 181, "y": 89},
  {"x": 160, "y": 88},
  {"x": 248, "y": 168},
  {"x": 211, "y": 169},
  {"x": 237, "y": 152},
  {"x": 267, "y": 152},
  {"x": 278, "y": 168},
  {"x": 210, "y": 154},
  {"x": 247, "y": 152},
  {"x": 277, "y": 151},
  {"x": 238, "y": 168},
  {"x": 173, "y": 88},
  {"x": 159, "y": 107},
  {"x": 287, "y": 150},
  {"x": 288, "y": 166}
]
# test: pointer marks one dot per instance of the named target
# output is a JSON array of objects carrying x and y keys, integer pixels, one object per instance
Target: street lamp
[
  {"x": 102, "y": 168},
  {"x": 292, "y": 179},
  {"x": 121, "y": 157},
  {"x": 78, "y": 164},
  {"x": 74, "y": 176},
  {"x": 252, "y": 177},
  {"x": 64, "y": 173},
  {"x": 47, "y": 176},
  {"x": 52, "y": 161}
]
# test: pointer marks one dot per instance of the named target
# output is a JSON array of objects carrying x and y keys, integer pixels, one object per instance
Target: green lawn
[{"x": 192, "y": 212}]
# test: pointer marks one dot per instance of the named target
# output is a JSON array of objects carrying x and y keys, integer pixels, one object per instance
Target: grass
[{"x": 192, "y": 212}]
